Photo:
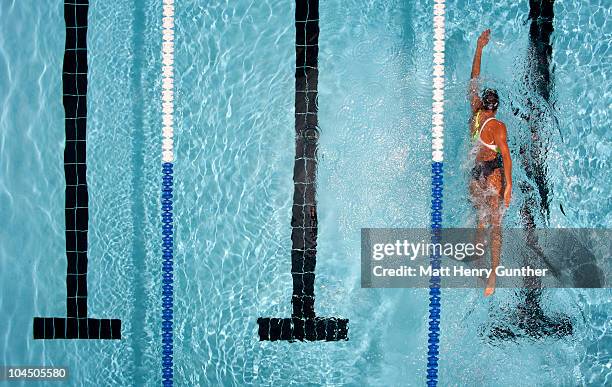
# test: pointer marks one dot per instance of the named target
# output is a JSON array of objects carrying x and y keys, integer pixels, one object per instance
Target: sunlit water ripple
[{"x": 233, "y": 175}]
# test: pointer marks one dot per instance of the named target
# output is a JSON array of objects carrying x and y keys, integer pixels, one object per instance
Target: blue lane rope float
[
  {"x": 167, "y": 216},
  {"x": 437, "y": 182},
  {"x": 167, "y": 274},
  {"x": 434, "y": 282}
]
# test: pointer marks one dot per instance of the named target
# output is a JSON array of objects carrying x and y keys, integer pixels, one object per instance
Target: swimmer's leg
[
  {"x": 495, "y": 216},
  {"x": 478, "y": 194}
]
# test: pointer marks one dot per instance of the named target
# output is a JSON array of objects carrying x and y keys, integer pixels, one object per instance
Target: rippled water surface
[{"x": 234, "y": 164}]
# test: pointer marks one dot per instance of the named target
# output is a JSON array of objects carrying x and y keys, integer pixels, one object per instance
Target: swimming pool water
[{"x": 233, "y": 180}]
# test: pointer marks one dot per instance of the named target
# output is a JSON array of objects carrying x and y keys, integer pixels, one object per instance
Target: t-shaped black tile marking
[
  {"x": 529, "y": 320},
  {"x": 76, "y": 325},
  {"x": 303, "y": 324}
]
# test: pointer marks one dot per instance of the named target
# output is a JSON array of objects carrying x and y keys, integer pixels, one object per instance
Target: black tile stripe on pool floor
[
  {"x": 530, "y": 319},
  {"x": 303, "y": 324},
  {"x": 76, "y": 324}
]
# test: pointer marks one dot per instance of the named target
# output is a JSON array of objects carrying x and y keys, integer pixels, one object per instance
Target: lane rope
[
  {"x": 166, "y": 192},
  {"x": 437, "y": 182}
]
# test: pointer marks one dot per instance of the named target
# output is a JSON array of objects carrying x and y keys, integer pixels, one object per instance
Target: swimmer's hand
[
  {"x": 484, "y": 38},
  {"x": 508, "y": 195}
]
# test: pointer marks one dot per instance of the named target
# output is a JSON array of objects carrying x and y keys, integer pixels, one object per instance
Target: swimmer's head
[{"x": 490, "y": 99}]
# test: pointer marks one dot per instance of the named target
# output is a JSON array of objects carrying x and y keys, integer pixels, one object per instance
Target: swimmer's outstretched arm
[{"x": 483, "y": 39}]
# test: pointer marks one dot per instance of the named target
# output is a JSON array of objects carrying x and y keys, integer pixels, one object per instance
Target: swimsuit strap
[
  {"x": 484, "y": 124},
  {"x": 476, "y": 124},
  {"x": 493, "y": 147}
]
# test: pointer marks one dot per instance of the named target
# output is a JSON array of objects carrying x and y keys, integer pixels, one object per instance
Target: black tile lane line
[
  {"x": 76, "y": 324},
  {"x": 539, "y": 80},
  {"x": 303, "y": 323},
  {"x": 529, "y": 319}
]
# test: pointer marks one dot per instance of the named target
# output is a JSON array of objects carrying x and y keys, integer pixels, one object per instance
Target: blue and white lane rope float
[
  {"x": 437, "y": 146},
  {"x": 166, "y": 194}
]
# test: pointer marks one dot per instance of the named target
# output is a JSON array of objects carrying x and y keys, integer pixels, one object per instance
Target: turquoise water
[{"x": 234, "y": 164}]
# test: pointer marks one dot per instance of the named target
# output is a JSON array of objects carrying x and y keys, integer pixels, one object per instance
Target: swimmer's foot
[{"x": 490, "y": 288}]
